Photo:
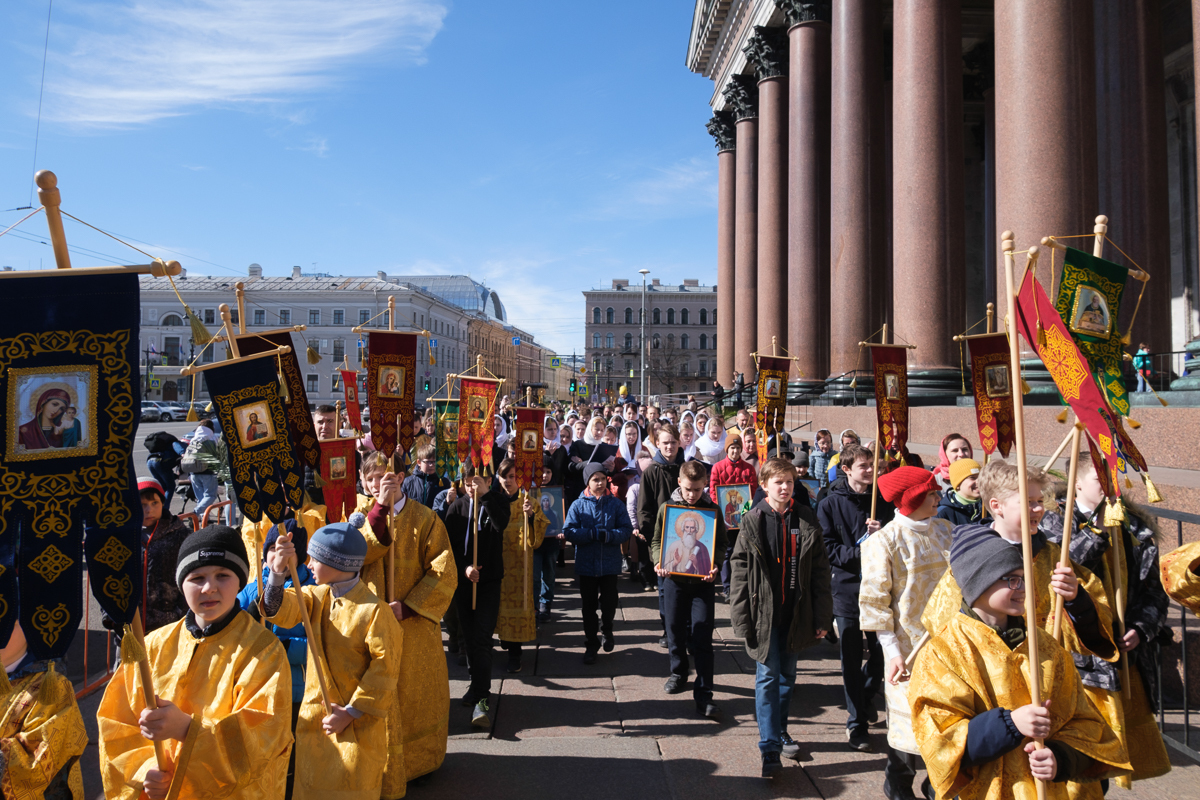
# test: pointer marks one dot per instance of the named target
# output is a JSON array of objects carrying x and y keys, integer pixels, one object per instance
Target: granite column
[
  {"x": 742, "y": 95},
  {"x": 721, "y": 126}
]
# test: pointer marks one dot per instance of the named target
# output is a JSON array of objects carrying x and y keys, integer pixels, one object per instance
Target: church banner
[
  {"x": 530, "y": 422},
  {"x": 70, "y": 387},
  {"x": 890, "y": 365},
  {"x": 391, "y": 384},
  {"x": 299, "y": 418},
  {"x": 772, "y": 391},
  {"x": 350, "y": 390},
  {"x": 761, "y": 437},
  {"x": 267, "y": 475},
  {"x": 337, "y": 468},
  {"x": 1089, "y": 301},
  {"x": 448, "y": 465},
  {"x": 476, "y": 431},
  {"x": 992, "y": 385}
]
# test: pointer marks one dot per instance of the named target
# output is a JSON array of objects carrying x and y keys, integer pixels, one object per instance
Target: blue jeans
[
  {"x": 164, "y": 475},
  {"x": 204, "y": 484},
  {"x": 1143, "y": 384},
  {"x": 545, "y": 560},
  {"x": 773, "y": 683}
]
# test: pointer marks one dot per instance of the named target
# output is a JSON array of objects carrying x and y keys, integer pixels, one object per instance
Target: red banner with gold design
[
  {"x": 337, "y": 469},
  {"x": 890, "y": 364},
  {"x": 1072, "y": 374},
  {"x": 992, "y": 383},
  {"x": 528, "y": 432},
  {"x": 391, "y": 384},
  {"x": 350, "y": 391},
  {"x": 476, "y": 431}
]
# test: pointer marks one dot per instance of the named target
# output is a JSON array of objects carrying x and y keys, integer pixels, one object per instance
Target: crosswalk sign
[
  {"x": 583, "y": 390},
  {"x": 155, "y": 383},
  {"x": 555, "y": 363}
]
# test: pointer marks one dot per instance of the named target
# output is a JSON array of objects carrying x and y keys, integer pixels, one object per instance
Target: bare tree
[{"x": 663, "y": 362}]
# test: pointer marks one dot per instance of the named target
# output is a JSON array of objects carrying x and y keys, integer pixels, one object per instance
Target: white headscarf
[
  {"x": 617, "y": 421},
  {"x": 502, "y": 436},
  {"x": 689, "y": 452},
  {"x": 683, "y": 418},
  {"x": 588, "y": 437},
  {"x": 557, "y": 436},
  {"x": 623, "y": 444},
  {"x": 712, "y": 451}
]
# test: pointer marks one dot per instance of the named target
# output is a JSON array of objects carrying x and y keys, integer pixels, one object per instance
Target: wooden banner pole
[
  {"x": 1014, "y": 354},
  {"x": 474, "y": 546},
  {"x": 875, "y": 448},
  {"x": 313, "y": 647},
  {"x": 1059, "y": 450},
  {"x": 51, "y": 199},
  {"x": 239, "y": 290},
  {"x": 143, "y": 665},
  {"x": 1116, "y": 568},
  {"x": 1068, "y": 523},
  {"x": 390, "y": 582}
]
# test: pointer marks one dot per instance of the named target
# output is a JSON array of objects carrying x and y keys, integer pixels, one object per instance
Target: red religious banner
[
  {"x": 337, "y": 468},
  {"x": 993, "y": 384},
  {"x": 299, "y": 418},
  {"x": 350, "y": 387},
  {"x": 890, "y": 363},
  {"x": 1072, "y": 375},
  {"x": 772, "y": 391},
  {"x": 476, "y": 431},
  {"x": 391, "y": 384},
  {"x": 530, "y": 422}
]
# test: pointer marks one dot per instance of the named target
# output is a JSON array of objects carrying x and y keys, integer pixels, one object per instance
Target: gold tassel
[
  {"x": 1152, "y": 494},
  {"x": 1114, "y": 513},
  {"x": 318, "y": 481},
  {"x": 48, "y": 693},
  {"x": 313, "y": 356},
  {"x": 200, "y": 333},
  {"x": 1127, "y": 339},
  {"x": 1133, "y": 423},
  {"x": 209, "y": 406},
  {"x": 283, "y": 390},
  {"x": 854, "y": 383},
  {"x": 131, "y": 649},
  {"x": 191, "y": 415},
  {"x": 1041, "y": 334},
  {"x": 1128, "y": 483},
  {"x": 1062, "y": 416},
  {"x": 1025, "y": 387}
]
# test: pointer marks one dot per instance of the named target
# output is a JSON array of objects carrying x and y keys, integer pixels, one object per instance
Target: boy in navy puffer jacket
[{"x": 597, "y": 524}]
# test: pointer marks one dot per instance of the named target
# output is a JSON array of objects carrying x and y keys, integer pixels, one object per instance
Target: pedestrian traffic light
[
  {"x": 572, "y": 386},
  {"x": 426, "y": 385}
]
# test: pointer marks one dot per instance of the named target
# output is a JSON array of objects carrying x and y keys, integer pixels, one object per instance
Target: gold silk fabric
[
  {"x": 1181, "y": 576},
  {"x": 237, "y": 687},
  {"x": 965, "y": 670},
  {"x": 517, "y": 621},
  {"x": 41, "y": 730},
  {"x": 947, "y": 600},
  {"x": 254, "y": 534},
  {"x": 426, "y": 578},
  {"x": 361, "y": 644},
  {"x": 901, "y": 567}
]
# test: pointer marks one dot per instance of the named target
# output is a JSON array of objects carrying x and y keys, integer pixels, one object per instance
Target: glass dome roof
[{"x": 462, "y": 291}]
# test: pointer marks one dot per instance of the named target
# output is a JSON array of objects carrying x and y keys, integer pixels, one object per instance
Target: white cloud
[
  {"x": 317, "y": 145},
  {"x": 662, "y": 192},
  {"x": 143, "y": 60}
]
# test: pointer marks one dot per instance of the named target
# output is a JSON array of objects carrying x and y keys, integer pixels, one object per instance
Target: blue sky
[{"x": 542, "y": 147}]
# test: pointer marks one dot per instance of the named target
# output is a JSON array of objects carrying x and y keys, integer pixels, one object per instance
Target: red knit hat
[
  {"x": 150, "y": 483},
  {"x": 906, "y": 488}
]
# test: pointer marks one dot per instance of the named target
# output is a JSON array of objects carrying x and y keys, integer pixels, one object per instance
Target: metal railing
[{"x": 1189, "y": 742}]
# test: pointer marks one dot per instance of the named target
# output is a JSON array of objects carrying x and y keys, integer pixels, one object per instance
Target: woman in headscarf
[
  {"x": 555, "y": 452},
  {"x": 500, "y": 443},
  {"x": 954, "y": 447},
  {"x": 687, "y": 439},
  {"x": 711, "y": 446},
  {"x": 591, "y": 448},
  {"x": 628, "y": 444},
  {"x": 610, "y": 435}
]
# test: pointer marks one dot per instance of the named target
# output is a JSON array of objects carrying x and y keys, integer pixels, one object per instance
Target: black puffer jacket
[
  {"x": 843, "y": 515},
  {"x": 956, "y": 512},
  {"x": 492, "y": 522},
  {"x": 659, "y": 481}
]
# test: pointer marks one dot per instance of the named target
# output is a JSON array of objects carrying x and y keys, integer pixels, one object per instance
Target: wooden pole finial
[
  {"x": 391, "y": 312},
  {"x": 1100, "y": 229},
  {"x": 991, "y": 317},
  {"x": 51, "y": 199},
  {"x": 239, "y": 289},
  {"x": 227, "y": 323},
  {"x": 1008, "y": 241}
]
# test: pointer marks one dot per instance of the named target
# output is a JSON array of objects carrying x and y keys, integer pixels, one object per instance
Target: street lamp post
[{"x": 644, "y": 398}]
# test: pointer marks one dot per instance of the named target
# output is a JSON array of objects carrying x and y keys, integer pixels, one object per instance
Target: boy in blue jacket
[{"x": 597, "y": 524}]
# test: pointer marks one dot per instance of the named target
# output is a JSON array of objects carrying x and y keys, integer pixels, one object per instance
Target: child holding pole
[
  {"x": 516, "y": 622},
  {"x": 222, "y": 684}
]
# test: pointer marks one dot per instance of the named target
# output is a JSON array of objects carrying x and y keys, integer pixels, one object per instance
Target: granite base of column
[
  {"x": 935, "y": 387},
  {"x": 804, "y": 391},
  {"x": 840, "y": 392}
]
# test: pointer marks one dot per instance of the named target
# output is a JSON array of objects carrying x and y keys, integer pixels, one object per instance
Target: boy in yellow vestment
[
  {"x": 224, "y": 693},
  {"x": 524, "y": 533},
  {"x": 1181, "y": 576},
  {"x": 971, "y": 704},
  {"x": 41, "y": 730},
  {"x": 342, "y": 752}
]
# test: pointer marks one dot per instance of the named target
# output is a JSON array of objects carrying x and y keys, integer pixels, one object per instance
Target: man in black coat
[
  {"x": 844, "y": 516},
  {"x": 659, "y": 482}
]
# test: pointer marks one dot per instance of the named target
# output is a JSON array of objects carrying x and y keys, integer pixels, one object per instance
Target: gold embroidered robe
[
  {"x": 254, "y": 534},
  {"x": 41, "y": 731},
  {"x": 901, "y": 567},
  {"x": 517, "y": 621},
  {"x": 1181, "y": 576},
  {"x": 361, "y": 645},
  {"x": 967, "y": 669},
  {"x": 237, "y": 687}
]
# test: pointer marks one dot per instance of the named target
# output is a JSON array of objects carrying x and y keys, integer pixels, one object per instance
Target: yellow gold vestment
[
  {"x": 517, "y": 621},
  {"x": 41, "y": 731},
  {"x": 1180, "y": 578}
]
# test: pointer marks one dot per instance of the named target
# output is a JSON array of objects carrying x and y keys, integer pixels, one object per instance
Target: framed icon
[
  {"x": 891, "y": 386},
  {"x": 254, "y": 425},
  {"x": 529, "y": 441},
  {"x": 996, "y": 380},
  {"x": 732, "y": 498},
  {"x": 771, "y": 388},
  {"x": 337, "y": 468},
  {"x": 551, "y": 500},
  {"x": 1089, "y": 313},
  {"x": 687, "y": 540},
  {"x": 51, "y": 412},
  {"x": 391, "y": 382}
]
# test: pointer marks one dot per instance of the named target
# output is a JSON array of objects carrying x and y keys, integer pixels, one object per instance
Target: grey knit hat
[
  {"x": 979, "y": 557},
  {"x": 339, "y": 545}
]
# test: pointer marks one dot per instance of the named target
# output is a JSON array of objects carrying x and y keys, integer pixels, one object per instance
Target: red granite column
[
  {"x": 742, "y": 95},
  {"x": 856, "y": 108},
  {"x": 1045, "y": 122},
  {"x": 767, "y": 52},
  {"x": 721, "y": 126},
  {"x": 808, "y": 191},
  {"x": 1132, "y": 155},
  {"x": 927, "y": 199}
]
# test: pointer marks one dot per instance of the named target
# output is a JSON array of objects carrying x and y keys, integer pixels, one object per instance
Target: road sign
[
  {"x": 433, "y": 342},
  {"x": 583, "y": 390},
  {"x": 517, "y": 341},
  {"x": 555, "y": 363},
  {"x": 583, "y": 370},
  {"x": 155, "y": 383},
  {"x": 164, "y": 359}
]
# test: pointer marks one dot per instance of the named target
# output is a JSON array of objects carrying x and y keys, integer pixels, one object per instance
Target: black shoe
[
  {"x": 771, "y": 765},
  {"x": 675, "y": 684},
  {"x": 791, "y": 748},
  {"x": 709, "y": 710},
  {"x": 872, "y": 713},
  {"x": 608, "y": 642},
  {"x": 859, "y": 740},
  {"x": 589, "y": 656},
  {"x": 544, "y": 616},
  {"x": 462, "y": 659},
  {"x": 662, "y": 642},
  {"x": 897, "y": 792},
  {"x": 514, "y": 665},
  {"x": 928, "y": 790},
  {"x": 468, "y": 699},
  {"x": 452, "y": 647}
]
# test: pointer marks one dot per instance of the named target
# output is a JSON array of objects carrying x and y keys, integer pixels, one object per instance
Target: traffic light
[
  {"x": 426, "y": 385},
  {"x": 572, "y": 386}
]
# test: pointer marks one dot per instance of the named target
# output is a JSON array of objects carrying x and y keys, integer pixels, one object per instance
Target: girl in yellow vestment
[
  {"x": 526, "y": 529},
  {"x": 224, "y": 689}
]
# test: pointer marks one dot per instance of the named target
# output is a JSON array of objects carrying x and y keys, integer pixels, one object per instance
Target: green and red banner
[
  {"x": 890, "y": 365},
  {"x": 992, "y": 382},
  {"x": 528, "y": 432},
  {"x": 476, "y": 431},
  {"x": 391, "y": 384},
  {"x": 446, "y": 435},
  {"x": 1089, "y": 302}
]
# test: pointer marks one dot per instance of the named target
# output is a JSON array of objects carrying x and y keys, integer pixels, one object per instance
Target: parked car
[
  {"x": 165, "y": 412},
  {"x": 151, "y": 412}
]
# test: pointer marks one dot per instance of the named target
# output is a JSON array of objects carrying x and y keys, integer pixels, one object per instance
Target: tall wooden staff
[
  {"x": 140, "y": 654},
  {"x": 1116, "y": 568},
  {"x": 391, "y": 553},
  {"x": 1068, "y": 523},
  {"x": 526, "y": 549},
  {"x": 1035, "y": 666},
  {"x": 474, "y": 544},
  {"x": 313, "y": 648},
  {"x": 875, "y": 455}
]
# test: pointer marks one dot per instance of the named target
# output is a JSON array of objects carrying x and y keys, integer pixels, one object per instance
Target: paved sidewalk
[{"x": 562, "y": 729}]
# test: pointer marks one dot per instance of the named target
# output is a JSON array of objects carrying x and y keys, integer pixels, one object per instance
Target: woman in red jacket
[{"x": 732, "y": 469}]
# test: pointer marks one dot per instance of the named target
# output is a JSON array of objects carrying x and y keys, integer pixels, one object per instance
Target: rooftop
[{"x": 690, "y": 285}]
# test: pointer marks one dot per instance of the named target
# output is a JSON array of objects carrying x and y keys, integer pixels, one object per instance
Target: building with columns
[{"x": 870, "y": 153}]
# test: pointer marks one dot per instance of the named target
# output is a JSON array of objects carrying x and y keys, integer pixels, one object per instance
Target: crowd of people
[{"x": 307, "y": 658}]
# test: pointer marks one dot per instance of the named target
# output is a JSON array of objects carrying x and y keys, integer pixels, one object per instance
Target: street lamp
[{"x": 644, "y": 398}]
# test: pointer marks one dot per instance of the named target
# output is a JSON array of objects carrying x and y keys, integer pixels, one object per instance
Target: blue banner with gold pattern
[{"x": 69, "y": 383}]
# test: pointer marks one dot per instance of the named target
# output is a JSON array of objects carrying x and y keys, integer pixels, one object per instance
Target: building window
[
  {"x": 314, "y": 383},
  {"x": 703, "y": 316},
  {"x": 629, "y": 341},
  {"x": 670, "y": 341},
  {"x": 683, "y": 317},
  {"x": 339, "y": 317},
  {"x": 703, "y": 340},
  {"x": 714, "y": 342},
  {"x": 629, "y": 316},
  {"x": 387, "y": 319},
  {"x": 171, "y": 321},
  {"x": 703, "y": 368},
  {"x": 210, "y": 316},
  {"x": 628, "y": 364},
  {"x": 364, "y": 314},
  {"x": 596, "y": 315},
  {"x": 260, "y": 317},
  {"x": 339, "y": 349},
  {"x": 233, "y": 316},
  {"x": 683, "y": 342},
  {"x": 208, "y": 355},
  {"x": 656, "y": 317},
  {"x": 655, "y": 342},
  {"x": 608, "y": 316},
  {"x": 608, "y": 365},
  {"x": 314, "y": 316},
  {"x": 595, "y": 340},
  {"x": 714, "y": 316},
  {"x": 685, "y": 368},
  {"x": 285, "y": 316},
  {"x": 608, "y": 341}
]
